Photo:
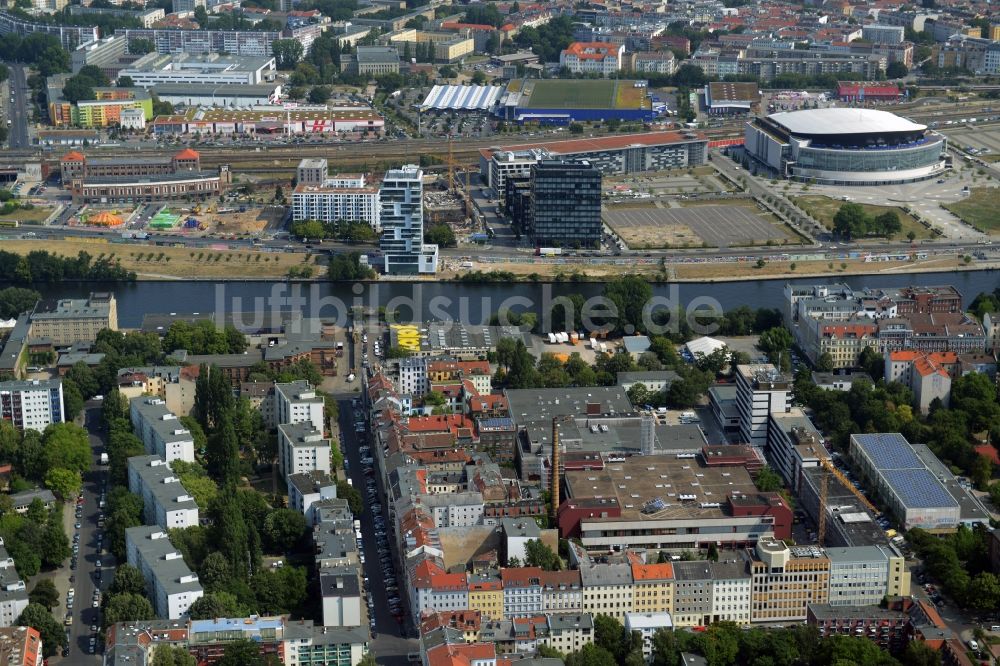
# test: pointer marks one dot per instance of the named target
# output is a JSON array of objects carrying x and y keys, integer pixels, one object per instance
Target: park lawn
[
  {"x": 35, "y": 215},
  {"x": 824, "y": 209},
  {"x": 979, "y": 209},
  {"x": 177, "y": 262}
]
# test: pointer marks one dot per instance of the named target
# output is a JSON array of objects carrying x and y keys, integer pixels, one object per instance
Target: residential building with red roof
[{"x": 602, "y": 58}]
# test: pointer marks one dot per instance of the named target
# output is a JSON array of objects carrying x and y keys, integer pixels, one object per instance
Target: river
[{"x": 470, "y": 303}]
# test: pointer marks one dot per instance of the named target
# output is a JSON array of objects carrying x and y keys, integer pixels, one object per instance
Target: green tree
[
  {"x": 124, "y": 82},
  {"x": 609, "y": 634},
  {"x": 441, "y": 235},
  {"x": 127, "y": 580},
  {"x": 77, "y": 89},
  {"x": 173, "y": 655},
  {"x": 241, "y": 652},
  {"x": 630, "y": 294},
  {"x": 16, "y": 300},
  {"x": 67, "y": 445},
  {"x": 319, "y": 94},
  {"x": 538, "y": 554},
  {"x": 44, "y": 594},
  {"x": 825, "y": 362},
  {"x": 40, "y": 619},
  {"x": 141, "y": 46},
  {"x": 353, "y": 497},
  {"x": 283, "y": 529},
  {"x": 126, "y": 608},
  {"x": 774, "y": 342},
  {"x": 217, "y": 604},
  {"x": 287, "y": 52},
  {"x": 214, "y": 571},
  {"x": 768, "y": 480},
  {"x": 896, "y": 70},
  {"x": 591, "y": 655},
  {"x": 851, "y": 221},
  {"x": 65, "y": 483}
]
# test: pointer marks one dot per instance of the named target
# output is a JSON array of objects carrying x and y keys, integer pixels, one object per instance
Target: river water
[{"x": 468, "y": 303}]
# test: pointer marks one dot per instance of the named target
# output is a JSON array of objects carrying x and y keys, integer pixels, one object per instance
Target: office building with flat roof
[
  {"x": 565, "y": 205},
  {"x": 32, "y": 404},
  {"x": 159, "y": 430},
  {"x": 172, "y": 586},
  {"x": 70, "y": 320},
  {"x": 213, "y": 68},
  {"x": 165, "y": 501},
  {"x": 761, "y": 391}
]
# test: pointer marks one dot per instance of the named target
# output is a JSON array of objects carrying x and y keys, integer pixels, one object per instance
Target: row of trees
[
  {"x": 41, "y": 266},
  {"x": 44, "y": 52},
  {"x": 204, "y": 337},
  {"x": 728, "y": 644},
  {"x": 351, "y": 231}
]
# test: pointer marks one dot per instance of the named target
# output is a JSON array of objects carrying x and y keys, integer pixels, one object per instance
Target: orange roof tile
[
  {"x": 187, "y": 154},
  {"x": 73, "y": 156},
  {"x": 644, "y": 572}
]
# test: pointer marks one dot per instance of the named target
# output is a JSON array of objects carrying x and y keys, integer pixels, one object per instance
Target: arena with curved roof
[{"x": 845, "y": 146}]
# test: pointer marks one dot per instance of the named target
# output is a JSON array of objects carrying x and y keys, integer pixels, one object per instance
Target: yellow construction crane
[{"x": 823, "y": 490}]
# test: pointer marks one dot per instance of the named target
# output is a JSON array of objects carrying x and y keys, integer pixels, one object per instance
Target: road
[
  {"x": 389, "y": 644},
  {"x": 84, "y": 614},
  {"x": 18, "y": 113}
]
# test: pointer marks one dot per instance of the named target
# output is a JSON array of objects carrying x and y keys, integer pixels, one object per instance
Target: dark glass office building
[{"x": 565, "y": 206}]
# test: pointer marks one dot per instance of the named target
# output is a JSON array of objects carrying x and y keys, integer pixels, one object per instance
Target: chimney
[{"x": 554, "y": 486}]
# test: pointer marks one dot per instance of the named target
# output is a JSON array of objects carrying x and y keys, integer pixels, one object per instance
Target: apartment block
[
  {"x": 298, "y": 402},
  {"x": 607, "y": 589},
  {"x": 159, "y": 430},
  {"x": 653, "y": 587},
  {"x": 70, "y": 320},
  {"x": 306, "y": 489},
  {"x": 32, "y": 404},
  {"x": 20, "y": 646},
  {"x": 593, "y": 57},
  {"x": 692, "y": 594},
  {"x": 486, "y": 594},
  {"x": 343, "y": 197},
  {"x": 172, "y": 586},
  {"x": 562, "y": 591},
  {"x": 302, "y": 449},
  {"x": 890, "y": 628},
  {"x": 991, "y": 326},
  {"x": 165, "y": 501},
  {"x": 522, "y": 591},
  {"x": 342, "y": 597},
  {"x": 13, "y": 591},
  {"x": 646, "y": 625},
  {"x": 569, "y": 632},
  {"x": 171, "y": 383},
  {"x": 731, "y": 591},
  {"x": 402, "y": 223}
]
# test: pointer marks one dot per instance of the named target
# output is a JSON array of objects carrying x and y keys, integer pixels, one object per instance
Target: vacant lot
[
  {"x": 35, "y": 215},
  {"x": 152, "y": 262},
  {"x": 712, "y": 225},
  {"x": 981, "y": 209},
  {"x": 825, "y": 208}
]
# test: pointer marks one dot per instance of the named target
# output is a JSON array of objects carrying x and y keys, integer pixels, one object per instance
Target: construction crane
[{"x": 824, "y": 490}]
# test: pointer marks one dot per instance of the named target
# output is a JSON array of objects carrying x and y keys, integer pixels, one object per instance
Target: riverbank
[{"x": 154, "y": 263}]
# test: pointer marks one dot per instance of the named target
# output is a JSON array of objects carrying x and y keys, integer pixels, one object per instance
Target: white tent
[{"x": 704, "y": 346}]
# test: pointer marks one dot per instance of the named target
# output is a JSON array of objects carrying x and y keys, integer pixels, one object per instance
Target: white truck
[{"x": 104, "y": 458}]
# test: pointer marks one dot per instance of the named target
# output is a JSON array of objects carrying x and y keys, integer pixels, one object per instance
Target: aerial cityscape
[{"x": 433, "y": 333}]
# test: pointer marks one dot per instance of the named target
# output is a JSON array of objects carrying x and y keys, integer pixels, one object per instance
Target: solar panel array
[
  {"x": 466, "y": 98},
  {"x": 889, "y": 451},
  {"x": 918, "y": 489}
]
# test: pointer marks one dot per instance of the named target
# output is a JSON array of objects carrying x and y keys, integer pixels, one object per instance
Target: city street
[
  {"x": 85, "y": 581},
  {"x": 389, "y": 645},
  {"x": 19, "y": 113}
]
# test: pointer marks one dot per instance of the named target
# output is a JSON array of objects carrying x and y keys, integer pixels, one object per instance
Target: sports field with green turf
[{"x": 582, "y": 94}]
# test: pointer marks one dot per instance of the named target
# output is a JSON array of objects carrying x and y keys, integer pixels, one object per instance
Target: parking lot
[
  {"x": 717, "y": 226},
  {"x": 982, "y": 140}
]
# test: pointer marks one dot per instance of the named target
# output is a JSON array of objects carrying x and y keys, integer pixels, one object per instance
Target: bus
[{"x": 12, "y": 224}]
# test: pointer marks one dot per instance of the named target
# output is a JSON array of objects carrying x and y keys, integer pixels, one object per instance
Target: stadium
[
  {"x": 837, "y": 146},
  {"x": 555, "y": 101}
]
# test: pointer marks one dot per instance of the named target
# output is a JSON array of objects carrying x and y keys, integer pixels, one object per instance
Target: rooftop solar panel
[
  {"x": 919, "y": 489},
  {"x": 889, "y": 451}
]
